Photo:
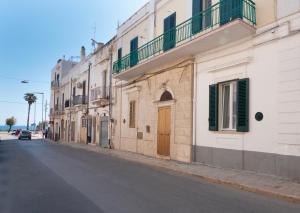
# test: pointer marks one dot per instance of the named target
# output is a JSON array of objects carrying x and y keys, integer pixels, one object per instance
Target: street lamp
[{"x": 41, "y": 93}]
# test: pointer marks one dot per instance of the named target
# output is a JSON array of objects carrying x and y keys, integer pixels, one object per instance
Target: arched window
[{"x": 166, "y": 96}]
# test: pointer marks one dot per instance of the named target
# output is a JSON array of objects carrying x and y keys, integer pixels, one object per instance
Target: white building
[
  {"x": 80, "y": 98},
  {"x": 241, "y": 61},
  {"x": 247, "y": 98}
]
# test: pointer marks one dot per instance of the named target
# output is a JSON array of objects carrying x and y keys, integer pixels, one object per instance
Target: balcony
[
  {"x": 100, "y": 95},
  {"x": 79, "y": 100},
  {"x": 222, "y": 23},
  {"x": 57, "y": 110},
  {"x": 54, "y": 84}
]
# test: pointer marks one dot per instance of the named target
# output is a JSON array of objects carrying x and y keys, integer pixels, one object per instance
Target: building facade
[
  {"x": 207, "y": 81},
  {"x": 152, "y": 104},
  {"x": 247, "y": 98},
  {"x": 80, "y": 98},
  {"x": 216, "y": 82}
]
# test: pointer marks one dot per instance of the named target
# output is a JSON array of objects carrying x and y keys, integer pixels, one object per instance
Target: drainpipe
[
  {"x": 110, "y": 94},
  {"x": 88, "y": 102},
  {"x": 69, "y": 131},
  {"x": 194, "y": 111}
]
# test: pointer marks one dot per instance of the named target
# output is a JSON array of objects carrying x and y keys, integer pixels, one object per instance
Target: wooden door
[{"x": 164, "y": 131}]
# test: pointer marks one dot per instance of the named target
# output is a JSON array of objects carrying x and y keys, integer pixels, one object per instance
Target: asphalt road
[{"x": 38, "y": 177}]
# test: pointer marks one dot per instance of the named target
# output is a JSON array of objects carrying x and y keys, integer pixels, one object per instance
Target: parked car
[
  {"x": 25, "y": 134},
  {"x": 17, "y": 132}
]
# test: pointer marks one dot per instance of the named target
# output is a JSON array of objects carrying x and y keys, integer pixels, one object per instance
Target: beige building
[
  {"x": 152, "y": 103},
  {"x": 80, "y": 98}
]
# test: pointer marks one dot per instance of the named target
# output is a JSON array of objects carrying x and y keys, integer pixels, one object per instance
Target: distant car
[
  {"x": 25, "y": 135},
  {"x": 17, "y": 132}
]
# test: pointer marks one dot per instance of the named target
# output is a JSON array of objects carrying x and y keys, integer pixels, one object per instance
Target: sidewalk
[{"x": 245, "y": 180}]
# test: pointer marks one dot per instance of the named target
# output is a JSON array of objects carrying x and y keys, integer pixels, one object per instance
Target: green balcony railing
[{"x": 217, "y": 15}]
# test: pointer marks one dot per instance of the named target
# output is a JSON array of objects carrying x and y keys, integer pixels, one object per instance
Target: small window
[
  {"x": 83, "y": 122},
  {"x": 166, "y": 96},
  {"x": 132, "y": 114},
  {"x": 228, "y": 105}
]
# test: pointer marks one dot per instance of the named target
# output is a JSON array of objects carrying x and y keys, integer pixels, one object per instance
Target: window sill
[{"x": 229, "y": 132}]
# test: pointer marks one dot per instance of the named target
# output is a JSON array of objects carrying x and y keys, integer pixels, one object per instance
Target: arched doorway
[{"x": 164, "y": 125}]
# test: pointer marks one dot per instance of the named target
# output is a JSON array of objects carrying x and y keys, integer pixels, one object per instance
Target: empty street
[{"x": 46, "y": 177}]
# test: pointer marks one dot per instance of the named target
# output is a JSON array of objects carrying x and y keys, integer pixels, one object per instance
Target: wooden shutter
[
  {"x": 197, "y": 17},
  {"x": 230, "y": 10},
  {"x": 119, "y": 53},
  {"x": 169, "y": 32},
  {"x": 243, "y": 105},
  {"x": 132, "y": 114},
  {"x": 134, "y": 51},
  {"x": 119, "y": 58},
  {"x": 213, "y": 107}
]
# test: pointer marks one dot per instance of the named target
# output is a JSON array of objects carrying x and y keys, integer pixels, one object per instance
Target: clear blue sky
[{"x": 35, "y": 33}]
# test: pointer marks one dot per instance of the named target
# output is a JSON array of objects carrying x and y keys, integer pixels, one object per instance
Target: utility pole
[
  {"x": 46, "y": 108},
  {"x": 34, "y": 116}
]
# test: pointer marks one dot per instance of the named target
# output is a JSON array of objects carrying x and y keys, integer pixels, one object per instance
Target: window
[
  {"x": 132, "y": 114},
  {"x": 201, "y": 15},
  {"x": 228, "y": 97},
  {"x": 229, "y": 106},
  {"x": 83, "y": 122},
  {"x": 166, "y": 96}
]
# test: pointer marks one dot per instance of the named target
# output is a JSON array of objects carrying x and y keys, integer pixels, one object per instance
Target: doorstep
[{"x": 249, "y": 181}]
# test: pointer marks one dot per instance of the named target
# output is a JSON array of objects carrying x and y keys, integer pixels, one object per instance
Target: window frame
[{"x": 232, "y": 95}]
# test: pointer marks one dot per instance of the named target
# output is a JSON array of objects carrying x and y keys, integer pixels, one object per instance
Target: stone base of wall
[{"x": 280, "y": 165}]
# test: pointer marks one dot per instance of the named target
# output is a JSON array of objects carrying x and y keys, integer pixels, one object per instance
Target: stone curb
[{"x": 175, "y": 166}]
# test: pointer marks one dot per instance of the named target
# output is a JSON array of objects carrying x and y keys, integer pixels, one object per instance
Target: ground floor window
[
  {"x": 229, "y": 106},
  {"x": 228, "y": 97},
  {"x": 132, "y": 114}
]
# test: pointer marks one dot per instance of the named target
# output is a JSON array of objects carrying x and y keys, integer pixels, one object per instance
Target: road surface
[{"x": 39, "y": 177}]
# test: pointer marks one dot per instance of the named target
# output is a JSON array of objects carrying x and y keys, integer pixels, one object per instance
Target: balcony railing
[
  {"x": 217, "y": 15},
  {"x": 99, "y": 93},
  {"x": 79, "y": 100}
]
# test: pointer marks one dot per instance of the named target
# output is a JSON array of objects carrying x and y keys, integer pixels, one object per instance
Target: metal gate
[{"x": 104, "y": 132}]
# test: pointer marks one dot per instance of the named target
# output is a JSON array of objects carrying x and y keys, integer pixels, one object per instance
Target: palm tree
[{"x": 30, "y": 98}]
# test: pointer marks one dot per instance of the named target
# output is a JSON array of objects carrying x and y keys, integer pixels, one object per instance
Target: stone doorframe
[{"x": 172, "y": 105}]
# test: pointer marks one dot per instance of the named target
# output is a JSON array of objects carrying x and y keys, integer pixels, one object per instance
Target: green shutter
[
  {"x": 169, "y": 32},
  {"x": 243, "y": 105},
  {"x": 197, "y": 16},
  {"x": 119, "y": 58},
  {"x": 134, "y": 52},
  {"x": 213, "y": 107},
  {"x": 230, "y": 10}
]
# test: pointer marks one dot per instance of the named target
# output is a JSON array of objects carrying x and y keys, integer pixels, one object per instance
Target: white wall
[
  {"x": 287, "y": 7},
  {"x": 272, "y": 63}
]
